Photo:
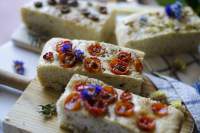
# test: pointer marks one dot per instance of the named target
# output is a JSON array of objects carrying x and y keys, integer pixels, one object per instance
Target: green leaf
[
  {"x": 165, "y": 2},
  {"x": 195, "y": 4},
  {"x": 47, "y": 110}
]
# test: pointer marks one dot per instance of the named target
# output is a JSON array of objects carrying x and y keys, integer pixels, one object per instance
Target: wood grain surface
[
  {"x": 24, "y": 117},
  {"x": 14, "y": 80}
]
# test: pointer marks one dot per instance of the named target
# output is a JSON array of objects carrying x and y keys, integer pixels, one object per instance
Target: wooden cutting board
[{"x": 24, "y": 116}]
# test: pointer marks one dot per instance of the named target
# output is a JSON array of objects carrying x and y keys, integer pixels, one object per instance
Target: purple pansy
[
  {"x": 174, "y": 10},
  {"x": 79, "y": 54},
  {"x": 19, "y": 67},
  {"x": 66, "y": 48},
  {"x": 90, "y": 91}
]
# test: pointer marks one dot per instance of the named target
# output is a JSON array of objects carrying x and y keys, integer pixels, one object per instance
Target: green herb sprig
[{"x": 47, "y": 110}]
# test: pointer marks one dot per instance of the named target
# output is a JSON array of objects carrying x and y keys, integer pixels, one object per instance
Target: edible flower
[
  {"x": 174, "y": 10},
  {"x": 79, "y": 54},
  {"x": 67, "y": 55},
  {"x": 90, "y": 91},
  {"x": 92, "y": 102},
  {"x": 19, "y": 67},
  {"x": 48, "y": 56},
  {"x": 66, "y": 47}
]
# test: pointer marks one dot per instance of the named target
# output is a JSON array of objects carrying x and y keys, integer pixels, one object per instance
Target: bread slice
[
  {"x": 82, "y": 20},
  {"x": 127, "y": 8},
  {"x": 83, "y": 119},
  {"x": 55, "y": 73},
  {"x": 157, "y": 34}
]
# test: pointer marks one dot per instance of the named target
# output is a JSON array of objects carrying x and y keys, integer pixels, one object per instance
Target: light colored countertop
[
  {"x": 8, "y": 97},
  {"x": 9, "y": 53},
  {"x": 10, "y": 18}
]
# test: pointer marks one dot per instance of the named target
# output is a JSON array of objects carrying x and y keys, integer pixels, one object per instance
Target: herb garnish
[{"x": 47, "y": 110}]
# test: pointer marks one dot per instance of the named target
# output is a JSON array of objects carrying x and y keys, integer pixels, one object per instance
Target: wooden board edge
[{"x": 11, "y": 128}]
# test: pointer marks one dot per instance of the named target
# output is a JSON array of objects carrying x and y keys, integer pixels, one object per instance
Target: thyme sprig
[{"x": 47, "y": 110}]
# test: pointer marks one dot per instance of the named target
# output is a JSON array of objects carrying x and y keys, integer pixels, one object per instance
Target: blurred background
[
  {"x": 10, "y": 15},
  {"x": 9, "y": 18}
]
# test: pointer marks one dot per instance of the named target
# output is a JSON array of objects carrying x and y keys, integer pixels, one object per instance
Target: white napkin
[{"x": 175, "y": 89}]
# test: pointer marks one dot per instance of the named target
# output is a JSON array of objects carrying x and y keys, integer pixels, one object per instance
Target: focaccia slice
[
  {"x": 131, "y": 7},
  {"x": 90, "y": 105},
  {"x": 73, "y": 19},
  {"x": 156, "y": 33},
  {"x": 118, "y": 66}
]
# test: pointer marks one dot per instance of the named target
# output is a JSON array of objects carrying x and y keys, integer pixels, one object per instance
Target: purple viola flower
[
  {"x": 79, "y": 54},
  {"x": 21, "y": 71},
  {"x": 19, "y": 67},
  {"x": 174, "y": 10},
  {"x": 66, "y": 48},
  {"x": 196, "y": 85},
  {"x": 18, "y": 63},
  {"x": 91, "y": 91},
  {"x": 85, "y": 95}
]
